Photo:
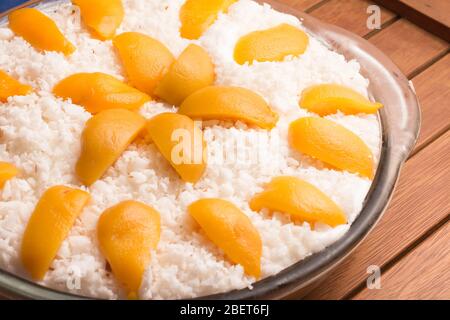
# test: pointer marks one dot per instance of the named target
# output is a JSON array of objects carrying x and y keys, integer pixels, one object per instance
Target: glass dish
[{"x": 400, "y": 121}]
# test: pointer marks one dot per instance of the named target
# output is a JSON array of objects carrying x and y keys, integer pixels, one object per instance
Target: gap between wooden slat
[
  {"x": 351, "y": 15},
  {"x": 427, "y": 65},
  {"x": 316, "y": 6},
  {"x": 417, "y": 71},
  {"x": 407, "y": 250},
  {"x": 441, "y": 132},
  {"x": 429, "y": 141},
  {"x": 411, "y": 47},
  {"x": 390, "y": 263},
  {"x": 383, "y": 26},
  {"x": 413, "y": 73},
  {"x": 422, "y": 274},
  {"x": 421, "y": 19}
]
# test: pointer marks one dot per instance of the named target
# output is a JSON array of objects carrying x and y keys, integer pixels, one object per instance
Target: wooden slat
[
  {"x": 290, "y": 3},
  {"x": 434, "y": 96},
  {"x": 305, "y": 5},
  {"x": 350, "y": 14},
  {"x": 436, "y": 9},
  {"x": 408, "y": 46},
  {"x": 422, "y": 274},
  {"x": 413, "y": 50},
  {"x": 431, "y": 15},
  {"x": 420, "y": 202}
]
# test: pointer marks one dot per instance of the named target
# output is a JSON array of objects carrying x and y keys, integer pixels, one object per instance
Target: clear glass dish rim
[{"x": 400, "y": 121}]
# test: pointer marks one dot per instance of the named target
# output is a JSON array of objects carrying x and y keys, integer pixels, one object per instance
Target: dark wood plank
[
  {"x": 437, "y": 9},
  {"x": 433, "y": 89},
  {"x": 409, "y": 46},
  {"x": 422, "y": 274},
  {"x": 431, "y": 15},
  {"x": 350, "y": 14},
  {"x": 420, "y": 202}
]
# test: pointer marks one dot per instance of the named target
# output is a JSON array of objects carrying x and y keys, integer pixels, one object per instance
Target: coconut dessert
[{"x": 167, "y": 149}]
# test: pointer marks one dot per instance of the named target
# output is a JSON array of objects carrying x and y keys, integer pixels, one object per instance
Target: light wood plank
[
  {"x": 420, "y": 202},
  {"x": 428, "y": 85},
  {"x": 305, "y": 5},
  {"x": 422, "y": 274},
  {"x": 290, "y": 3},
  {"x": 431, "y": 15},
  {"x": 433, "y": 89},
  {"x": 408, "y": 46},
  {"x": 350, "y": 14}
]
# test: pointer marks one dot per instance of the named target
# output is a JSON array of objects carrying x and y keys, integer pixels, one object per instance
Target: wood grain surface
[
  {"x": 431, "y": 15},
  {"x": 350, "y": 14},
  {"x": 436, "y": 9},
  {"x": 408, "y": 46},
  {"x": 422, "y": 274},
  {"x": 411, "y": 242},
  {"x": 420, "y": 202},
  {"x": 433, "y": 89},
  {"x": 306, "y": 5}
]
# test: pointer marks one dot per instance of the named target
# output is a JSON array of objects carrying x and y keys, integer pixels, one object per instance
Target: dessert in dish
[{"x": 174, "y": 149}]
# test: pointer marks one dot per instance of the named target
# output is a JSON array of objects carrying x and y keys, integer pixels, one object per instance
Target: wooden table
[{"x": 411, "y": 244}]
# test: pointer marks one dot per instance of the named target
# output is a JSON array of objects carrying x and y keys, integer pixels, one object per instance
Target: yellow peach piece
[
  {"x": 229, "y": 103},
  {"x": 103, "y": 17},
  {"x": 192, "y": 71},
  {"x": 273, "y": 44},
  {"x": 325, "y": 99},
  {"x": 301, "y": 200},
  {"x": 10, "y": 87},
  {"x": 197, "y": 15},
  {"x": 99, "y": 91},
  {"x": 127, "y": 233},
  {"x": 104, "y": 139},
  {"x": 49, "y": 225},
  {"x": 39, "y": 30},
  {"x": 333, "y": 144},
  {"x": 7, "y": 172},
  {"x": 231, "y": 230},
  {"x": 146, "y": 60},
  {"x": 181, "y": 143}
]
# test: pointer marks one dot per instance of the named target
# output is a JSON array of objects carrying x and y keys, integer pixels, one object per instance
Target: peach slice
[
  {"x": 231, "y": 230},
  {"x": 103, "y": 17},
  {"x": 333, "y": 144},
  {"x": 325, "y": 99},
  {"x": 104, "y": 139},
  {"x": 197, "y": 15},
  {"x": 10, "y": 87},
  {"x": 301, "y": 200},
  {"x": 127, "y": 233},
  {"x": 7, "y": 172},
  {"x": 146, "y": 60},
  {"x": 229, "y": 103},
  {"x": 99, "y": 91},
  {"x": 39, "y": 30},
  {"x": 273, "y": 44},
  {"x": 181, "y": 142},
  {"x": 48, "y": 226},
  {"x": 192, "y": 71}
]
